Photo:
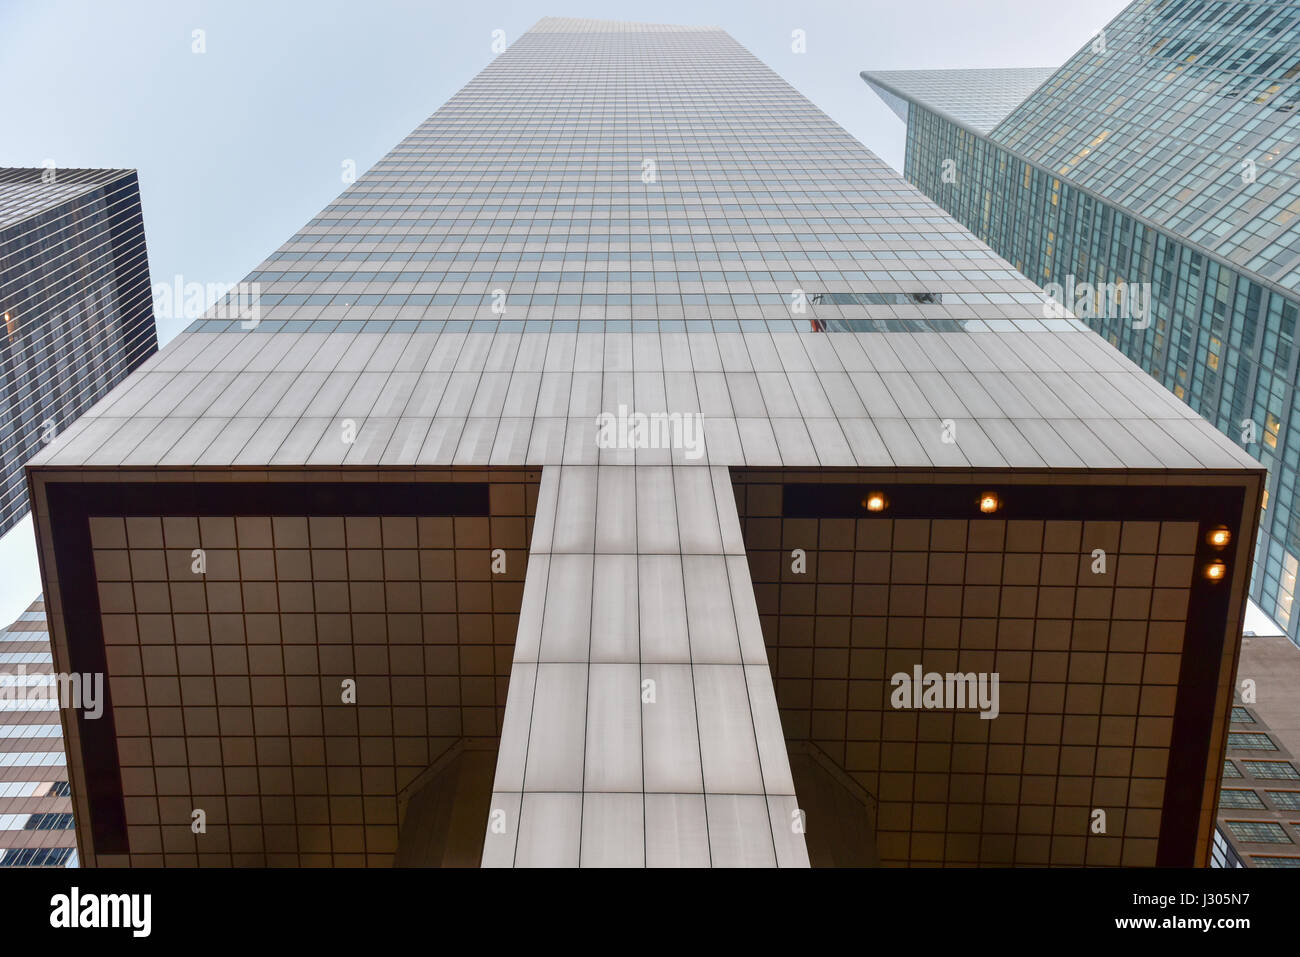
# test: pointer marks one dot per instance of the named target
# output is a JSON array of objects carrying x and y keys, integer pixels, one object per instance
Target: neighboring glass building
[
  {"x": 78, "y": 318},
  {"x": 36, "y": 828},
  {"x": 76, "y": 302},
  {"x": 602, "y": 478},
  {"x": 1165, "y": 152}
]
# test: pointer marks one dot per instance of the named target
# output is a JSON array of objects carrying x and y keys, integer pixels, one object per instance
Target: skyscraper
[
  {"x": 630, "y": 469},
  {"x": 78, "y": 308},
  {"x": 78, "y": 318},
  {"x": 36, "y": 826},
  {"x": 1258, "y": 823},
  {"x": 1152, "y": 183}
]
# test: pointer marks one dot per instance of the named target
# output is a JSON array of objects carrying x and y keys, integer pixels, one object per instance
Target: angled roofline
[
  {"x": 1271, "y": 285},
  {"x": 82, "y": 176},
  {"x": 873, "y": 80}
]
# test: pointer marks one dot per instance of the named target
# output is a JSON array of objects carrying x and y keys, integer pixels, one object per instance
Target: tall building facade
[
  {"x": 1259, "y": 802},
  {"x": 36, "y": 825},
  {"x": 77, "y": 305},
  {"x": 1153, "y": 184},
  {"x": 630, "y": 469},
  {"x": 78, "y": 318}
]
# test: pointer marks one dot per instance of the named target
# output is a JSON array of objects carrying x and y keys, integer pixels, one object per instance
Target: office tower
[
  {"x": 1152, "y": 184},
  {"x": 631, "y": 469},
  {"x": 36, "y": 827},
  {"x": 1259, "y": 802},
  {"x": 78, "y": 309},
  {"x": 78, "y": 318}
]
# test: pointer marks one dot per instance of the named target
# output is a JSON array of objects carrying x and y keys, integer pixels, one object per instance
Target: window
[
  {"x": 1259, "y": 832},
  {"x": 1242, "y": 716},
  {"x": 1244, "y": 741},
  {"x": 1239, "y": 797},
  {"x": 43, "y": 857},
  {"x": 1276, "y": 770},
  {"x": 49, "y": 822},
  {"x": 1230, "y": 770},
  {"x": 1285, "y": 799}
]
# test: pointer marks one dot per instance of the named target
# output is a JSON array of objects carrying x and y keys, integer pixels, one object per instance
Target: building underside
[{"x": 566, "y": 655}]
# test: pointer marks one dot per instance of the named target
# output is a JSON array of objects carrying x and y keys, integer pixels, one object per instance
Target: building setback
[
  {"x": 587, "y": 480},
  {"x": 1162, "y": 158},
  {"x": 78, "y": 318}
]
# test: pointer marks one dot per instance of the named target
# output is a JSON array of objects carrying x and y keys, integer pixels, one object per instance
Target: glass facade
[
  {"x": 76, "y": 302},
  {"x": 978, "y": 99},
  {"x": 1164, "y": 155},
  {"x": 1183, "y": 113},
  {"x": 78, "y": 319},
  {"x": 36, "y": 826},
  {"x": 669, "y": 197}
]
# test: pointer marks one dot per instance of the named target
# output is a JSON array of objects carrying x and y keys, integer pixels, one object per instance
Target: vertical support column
[{"x": 641, "y": 723}]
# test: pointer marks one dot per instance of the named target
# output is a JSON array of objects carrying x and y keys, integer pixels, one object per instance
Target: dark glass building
[
  {"x": 78, "y": 319},
  {"x": 36, "y": 826},
  {"x": 1152, "y": 185},
  {"x": 76, "y": 302}
]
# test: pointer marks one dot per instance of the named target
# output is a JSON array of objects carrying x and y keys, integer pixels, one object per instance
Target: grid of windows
[
  {"x": 1218, "y": 339},
  {"x": 666, "y": 195},
  {"x": 1259, "y": 832},
  {"x": 1272, "y": 770},
  {"x": 35, "y": 796},
  {"x": 1250, "y": 791},
  {"x": 76, "y": 304},
  {"x": 1198, "y": 105},
  {"x": 1251, "y": 742},
  {"x": 1165, "y": 152},
  {"x": 39, "y": 857},
  {"x": 1222, "y": 853},
  {"x": 49, "y": 822},
  {"x": 979, "y": 98},
  {"x": 1239, "y": 797}
]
